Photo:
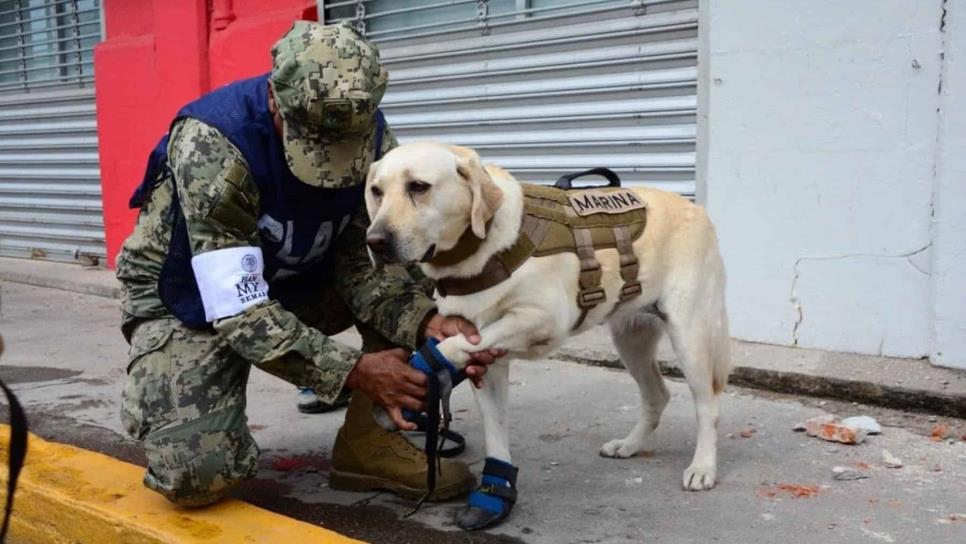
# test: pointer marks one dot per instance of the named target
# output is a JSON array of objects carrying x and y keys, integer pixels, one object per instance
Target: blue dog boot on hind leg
[{"x": 492, "y": 502}]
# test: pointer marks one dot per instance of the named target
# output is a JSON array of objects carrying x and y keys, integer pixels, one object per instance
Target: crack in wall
[
  {"x": 796, "y": 274},
  {"x": 796, "y": 303},
  {"x": 936, "y": 173}
]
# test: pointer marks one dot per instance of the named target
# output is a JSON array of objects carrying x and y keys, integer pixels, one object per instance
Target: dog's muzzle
[{"x": 381, "y": 244}]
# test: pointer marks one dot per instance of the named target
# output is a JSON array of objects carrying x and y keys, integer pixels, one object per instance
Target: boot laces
[{"x": 398, "y": 438}]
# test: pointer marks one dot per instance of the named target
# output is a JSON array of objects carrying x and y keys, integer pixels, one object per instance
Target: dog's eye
[
  {"x": 417, "y": 187},
  {"x": 376, "y": 191}
]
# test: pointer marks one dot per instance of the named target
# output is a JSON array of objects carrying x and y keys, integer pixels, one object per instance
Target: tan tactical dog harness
[{"x": 555, "y": 220}]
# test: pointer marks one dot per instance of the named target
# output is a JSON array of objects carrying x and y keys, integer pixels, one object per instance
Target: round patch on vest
[{"x": 249, "y": 263}]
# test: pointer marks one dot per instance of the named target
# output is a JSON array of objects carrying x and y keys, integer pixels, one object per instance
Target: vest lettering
[
  {"x": 298, "y": 223},
  {"x": 580, "y": 204},
  {"x": 590, "y": 201}
]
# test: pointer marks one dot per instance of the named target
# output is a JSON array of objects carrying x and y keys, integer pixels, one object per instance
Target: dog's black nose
[{"x": 380, "y": 242}]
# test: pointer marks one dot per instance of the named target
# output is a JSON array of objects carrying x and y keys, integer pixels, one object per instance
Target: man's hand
[
  {"x": 387, "y": 378},
  {"x": 440, "y": 328}
]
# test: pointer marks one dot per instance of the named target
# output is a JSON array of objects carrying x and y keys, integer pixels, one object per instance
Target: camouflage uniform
[{"x": 185, "y": 394}]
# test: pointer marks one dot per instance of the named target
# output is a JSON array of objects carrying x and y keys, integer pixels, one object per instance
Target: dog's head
[{"x": 422, "y": 197}]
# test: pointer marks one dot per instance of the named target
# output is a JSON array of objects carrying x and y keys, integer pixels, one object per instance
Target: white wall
[
  {"x": 819, "y": 167},
  {"x": 949, "y": 221}
]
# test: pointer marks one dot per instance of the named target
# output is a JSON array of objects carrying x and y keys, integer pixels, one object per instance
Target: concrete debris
[
  {"x": 818, "y": 420},
  {"x": 890, "y": 461},
  {"x": 869, "y": 424},
  {"x": 845, "y": 474},
  {"x": 939, "y": 432},
  {"x": 795, "y": 490},
  {"x": 799, "y": 427},
  {"x": 826, "y": 428}
]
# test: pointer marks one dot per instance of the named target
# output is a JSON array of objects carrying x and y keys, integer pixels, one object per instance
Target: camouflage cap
[{"x": 327, "y": 81}]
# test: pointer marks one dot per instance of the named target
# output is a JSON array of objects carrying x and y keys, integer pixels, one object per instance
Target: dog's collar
[
  {"x": 465, "y": 247},
  {"x": 494, "y": 272}
]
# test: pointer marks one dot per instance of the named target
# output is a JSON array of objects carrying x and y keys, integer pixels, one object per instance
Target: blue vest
[{"x": 297, "y": 224}]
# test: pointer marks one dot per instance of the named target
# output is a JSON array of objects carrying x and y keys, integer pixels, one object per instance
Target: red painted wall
[{"x": 158, "y": 55}]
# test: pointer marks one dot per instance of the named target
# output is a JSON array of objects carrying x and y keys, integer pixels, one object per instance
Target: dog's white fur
[{"x": 532, "y": 313}]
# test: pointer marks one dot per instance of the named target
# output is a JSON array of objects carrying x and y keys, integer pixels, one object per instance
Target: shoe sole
[
  {"x": 351, "y": 481},
  {"x": 321, "y": 407}
]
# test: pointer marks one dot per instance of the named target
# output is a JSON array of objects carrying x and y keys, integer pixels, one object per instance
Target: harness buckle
[
  {"x": 590, "y": 297},
  {"x": 630, "y": 290}
]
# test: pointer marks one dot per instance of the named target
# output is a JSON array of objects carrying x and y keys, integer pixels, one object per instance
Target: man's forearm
[{"x": 274, "y": 340}]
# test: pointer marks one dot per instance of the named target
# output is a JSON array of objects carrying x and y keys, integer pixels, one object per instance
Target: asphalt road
[{"x": 65, "y": 359}]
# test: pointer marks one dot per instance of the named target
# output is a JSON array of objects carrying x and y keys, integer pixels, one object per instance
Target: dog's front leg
[
  {"x": 514, "y": 332},
  {"x": 492, "y": 400},
  {"x": 494, "y": 500}
]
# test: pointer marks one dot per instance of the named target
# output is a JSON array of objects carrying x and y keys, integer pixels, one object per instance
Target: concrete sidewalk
[
  {"x": 906, "y": 384},
  {"x": 65, "y": 359}
]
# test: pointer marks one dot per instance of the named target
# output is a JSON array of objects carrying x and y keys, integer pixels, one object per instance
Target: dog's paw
[
  {"x": 699, "y": 477},
  {"x": 620, "y": 448}
]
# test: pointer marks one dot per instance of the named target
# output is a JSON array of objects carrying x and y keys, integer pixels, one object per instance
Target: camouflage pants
[{"x": 184, "y": 400}]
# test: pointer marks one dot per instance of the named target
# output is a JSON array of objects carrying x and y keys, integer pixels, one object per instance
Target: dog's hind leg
[
  {"x": 698, "y": 328},
  {"x": 636, "y": 338}
]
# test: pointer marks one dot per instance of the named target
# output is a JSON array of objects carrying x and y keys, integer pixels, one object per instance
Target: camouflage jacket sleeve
[
  {"x": 389, "y": 300},
  {"x": 220, "y": 204}
]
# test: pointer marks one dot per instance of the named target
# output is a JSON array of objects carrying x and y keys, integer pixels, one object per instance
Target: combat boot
[{"x": 367, "y": 457}]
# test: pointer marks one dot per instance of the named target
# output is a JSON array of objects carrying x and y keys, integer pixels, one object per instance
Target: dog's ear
[{"x": 487, "y": 196}]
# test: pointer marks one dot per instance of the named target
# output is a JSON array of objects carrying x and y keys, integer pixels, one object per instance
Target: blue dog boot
[
  {"x": 430, "y": 361},
  {"x": 492, "y": 502}
]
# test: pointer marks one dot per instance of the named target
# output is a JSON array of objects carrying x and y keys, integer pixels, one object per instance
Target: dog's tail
[
  {"x": 720, "y": 335},
  {"x": 720, "y": 354}
]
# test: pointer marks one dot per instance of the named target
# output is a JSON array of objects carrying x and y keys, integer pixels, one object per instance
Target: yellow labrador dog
[{"x": 422, "y": 197}]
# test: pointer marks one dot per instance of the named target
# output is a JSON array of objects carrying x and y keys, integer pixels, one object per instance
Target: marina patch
[{"x": 591, "y": 201}]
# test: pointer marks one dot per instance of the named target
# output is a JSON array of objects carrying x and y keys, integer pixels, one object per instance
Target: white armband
[{"x": 230, "y": 280}]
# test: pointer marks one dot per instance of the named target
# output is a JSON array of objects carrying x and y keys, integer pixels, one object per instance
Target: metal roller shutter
[
  {"x": 50, "y": 191},
  {"x": 544, "y": 87}
]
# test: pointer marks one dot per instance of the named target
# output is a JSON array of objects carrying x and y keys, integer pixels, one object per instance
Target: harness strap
[
  {"x": 441, "y": 377},
  {"x": 591, "y": 293},
  {"x": 535, "y": 229},
  {"x": 458, "y": 440},
  {"x": 431, "y": 447},
  {"x": 630, "y": 266}
]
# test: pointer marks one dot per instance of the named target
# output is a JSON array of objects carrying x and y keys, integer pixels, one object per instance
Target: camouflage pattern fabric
[
  {"x": 185, "y": 394},
  {"x": 220, "y": 203},
  {"x": 327, "y": 82},
  {"x": 184, "y": 400}
]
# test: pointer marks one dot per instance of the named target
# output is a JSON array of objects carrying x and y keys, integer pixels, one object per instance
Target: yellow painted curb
[{"x": 70, "y": 495}]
